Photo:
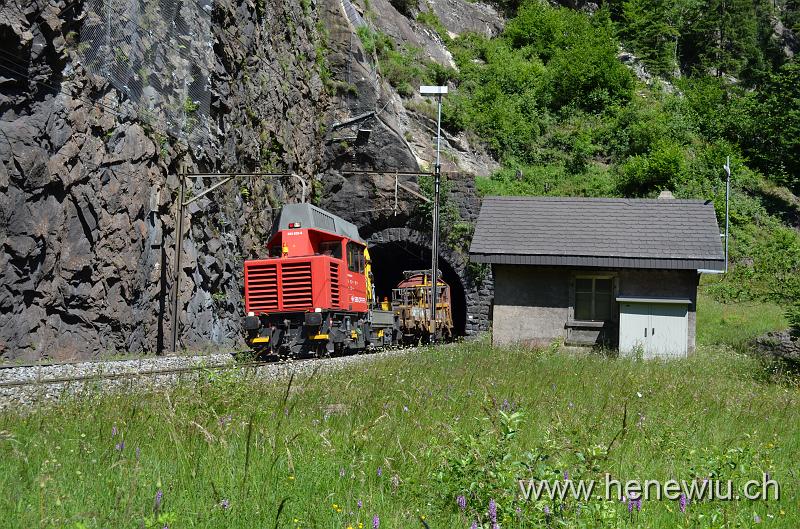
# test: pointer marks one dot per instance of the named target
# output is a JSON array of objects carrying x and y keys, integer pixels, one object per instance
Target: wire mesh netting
[{"x": 160, "y": 54}]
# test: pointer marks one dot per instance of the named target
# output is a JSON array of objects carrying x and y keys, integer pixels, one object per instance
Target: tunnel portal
[{"x": 391, "y": 259}]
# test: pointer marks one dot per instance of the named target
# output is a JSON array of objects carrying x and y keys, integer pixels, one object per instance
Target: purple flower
[
  {"x": 756, "y": 518},
  {"x": 113, "y": 430},
  {"x": 359, "y": 504},
  {"x": 159, "y": 495},
  {"x": 639, "y": 503},
  {"x": 225, "y": 503},
  {"x": 546, "y": 510},
  {"x": 119, "y": 446},
  {"x": 462, "y": 502},
  {"x": 380, "y": 471},
  {"x": 474, "y": 525},
  {"x": 630, "y": 505},
  {"x": 566, "y": 475},
  {"x": 492, "y": 511},
  {"x": 376, "y": 522},
  {"x": 683, "y": 502},
  {"x": 505, "y": 406}
]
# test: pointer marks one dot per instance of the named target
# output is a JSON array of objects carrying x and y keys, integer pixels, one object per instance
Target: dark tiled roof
[{"x": 607, "y": 232}]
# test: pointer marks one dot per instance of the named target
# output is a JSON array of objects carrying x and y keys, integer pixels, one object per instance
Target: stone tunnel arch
[{"x": 394, "y": 250}]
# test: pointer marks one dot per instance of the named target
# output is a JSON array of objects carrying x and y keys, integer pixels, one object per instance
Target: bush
[{"x": 793, "y": 315}]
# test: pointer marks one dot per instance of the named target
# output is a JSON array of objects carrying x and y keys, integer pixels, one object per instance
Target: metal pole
[
  {"x": 437, "y": 171},
  {"x": 178, "y": 251},
  {"x": 727, "y": 206}
]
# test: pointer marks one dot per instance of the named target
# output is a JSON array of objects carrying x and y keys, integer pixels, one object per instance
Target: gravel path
[{"x": 40, "y": 392}]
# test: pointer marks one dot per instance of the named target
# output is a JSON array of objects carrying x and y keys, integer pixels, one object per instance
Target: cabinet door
[
  {"x": 668, "y": 333},
  {"x": 634, "y": 327}
]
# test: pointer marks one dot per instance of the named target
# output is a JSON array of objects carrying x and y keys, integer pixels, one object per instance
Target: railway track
[
  {"x": 125, "y": 374},
  {"x": 30, "y": 386}
]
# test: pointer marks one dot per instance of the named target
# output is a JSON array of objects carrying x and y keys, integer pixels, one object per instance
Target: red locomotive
[{"x": 314, "y": 294}]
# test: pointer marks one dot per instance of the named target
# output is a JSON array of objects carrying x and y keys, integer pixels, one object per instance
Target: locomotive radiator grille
[
  {"x": 296, "y": 285},
  {"x": 262, "y": 287},
  {"x": 334, "y": 284}
]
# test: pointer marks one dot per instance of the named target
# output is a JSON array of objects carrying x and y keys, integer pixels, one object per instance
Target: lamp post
[{"x": 437, "y": 91}]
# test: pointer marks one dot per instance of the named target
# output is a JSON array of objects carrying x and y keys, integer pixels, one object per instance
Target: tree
[{"x": 775, "y": 142}]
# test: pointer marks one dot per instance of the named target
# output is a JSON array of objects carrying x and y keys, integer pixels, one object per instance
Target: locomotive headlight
[
  {"x": 317, "y": 309},
  {"x": 251, "y": 313}
]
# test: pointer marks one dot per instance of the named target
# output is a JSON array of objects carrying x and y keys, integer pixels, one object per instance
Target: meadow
[{"x": 394, "y": 443}]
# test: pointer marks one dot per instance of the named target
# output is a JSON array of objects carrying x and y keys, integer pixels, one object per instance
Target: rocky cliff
[{"x": 89, "y": 190}]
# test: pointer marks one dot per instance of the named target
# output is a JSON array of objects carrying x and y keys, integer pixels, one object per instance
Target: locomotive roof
[{"x": 310, "y": 216}]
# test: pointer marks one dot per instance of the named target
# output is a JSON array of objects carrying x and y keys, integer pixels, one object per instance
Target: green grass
[
  {"x": 736, "y": 324},
  {"x": 437, "y": 423}
]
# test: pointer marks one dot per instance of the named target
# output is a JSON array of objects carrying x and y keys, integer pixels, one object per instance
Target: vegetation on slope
[
  {"x": 403, "y": 438},
  {"x": 552, "y": 101}
]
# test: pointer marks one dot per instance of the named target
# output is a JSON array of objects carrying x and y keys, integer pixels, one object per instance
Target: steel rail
[{"x": 145, "y": 372}]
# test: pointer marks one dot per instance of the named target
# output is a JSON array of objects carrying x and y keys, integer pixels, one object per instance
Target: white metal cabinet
[{"x": 657, "y": 327}]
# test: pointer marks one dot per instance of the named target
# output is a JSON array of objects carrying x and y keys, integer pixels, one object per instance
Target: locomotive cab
[{"x": 312, "y": 294}]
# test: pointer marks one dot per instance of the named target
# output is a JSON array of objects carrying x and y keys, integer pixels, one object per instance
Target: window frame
[
  {"x": 355, "y": 257},
  {"x": 593, "y": 304}
]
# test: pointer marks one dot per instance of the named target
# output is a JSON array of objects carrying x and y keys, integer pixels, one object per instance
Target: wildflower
[
  {"x": 683, "y": 502},
  {"x": 341, "y": 472},
  {"x": 405, "y": 409},
  {"x": 640, "y": 422},
  {"x": 546, "y": 510},
  {"x": 113, "y": 430},
  {"x": 474, "y": 525},
  {"x": 571, "y": 405},
  {"x": 335, "y": 506},
  {"x": 138, "y": 453},
  {"x": 756, "y": 518},
  {"x": 395, "y": 483},
  {"x": 359, "y": 504},
  {"x": 462, "y": 502},
  {"x": 225, "y": 503},
  {"x": 380, "y": 471},
  {"x": 376, "y": 522},
  {"x": 505, "y": 406},
  {"x": 159, "y": 495},
  {"x": 492, "y": 511},
  {"x": 119, "y": 446},
  {"x": 566, "y": 475},
  {"x": 360, "y": 525}
]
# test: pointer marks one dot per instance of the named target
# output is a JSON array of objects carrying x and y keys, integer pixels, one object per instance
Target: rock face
[
  {"x": 87, "y": 211},
  {"x": 779, "y": 345}
]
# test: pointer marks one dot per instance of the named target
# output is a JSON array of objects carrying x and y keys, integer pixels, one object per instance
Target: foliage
[
  {"x": 402, "y": 437},
  {"x": 793, "y": 316},
  {"x": 403, "y": 66},
  {"x": 774, "y": 141}
]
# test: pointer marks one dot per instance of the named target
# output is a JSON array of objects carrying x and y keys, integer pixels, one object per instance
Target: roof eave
[{"x": 705, "y": 264}]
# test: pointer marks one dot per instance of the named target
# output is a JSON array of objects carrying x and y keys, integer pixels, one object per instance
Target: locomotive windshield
[{"x": 331, "y": 248}]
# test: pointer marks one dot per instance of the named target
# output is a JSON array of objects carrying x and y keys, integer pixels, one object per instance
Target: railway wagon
[
  {"x": 313, "y": 294},
  {"x": 411, "y": 301}
]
